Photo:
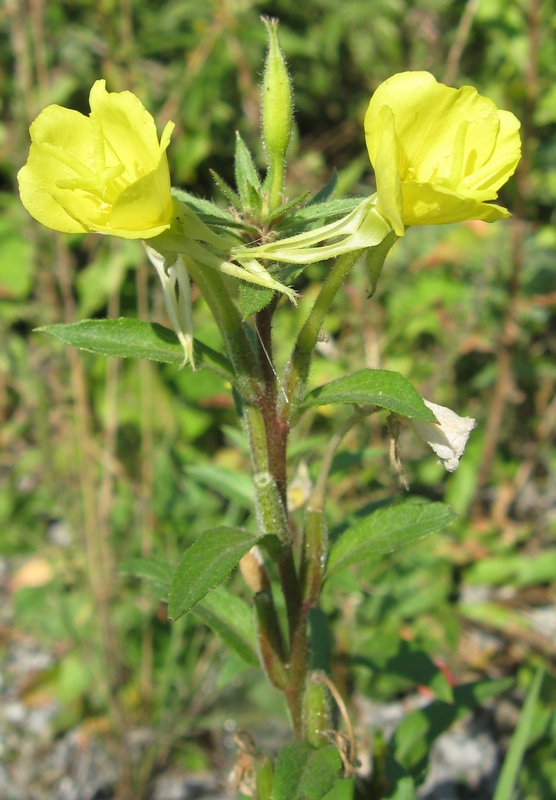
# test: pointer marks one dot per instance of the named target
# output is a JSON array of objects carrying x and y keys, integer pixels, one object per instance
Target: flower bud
[{"x": 276, "y": 100}]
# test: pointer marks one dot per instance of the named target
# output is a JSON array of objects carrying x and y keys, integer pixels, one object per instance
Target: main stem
[{"x": 267, "y": 435}]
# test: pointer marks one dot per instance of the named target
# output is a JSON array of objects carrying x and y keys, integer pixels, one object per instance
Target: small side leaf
[
  {"x": 231, "y": 619},
  {"x": 205, "y": 564},
  {"x": 303, "y": 772},
  {"x": 253, "y": 299},
  {"x": 226, "y": 189},
  {"x": 374, "y": 387},
  {"x": 131, "y": 338},
  {"x": 387, "y": 529},
  {"x": 248, "y": 181},
  {"x": 206, "y": 209}
]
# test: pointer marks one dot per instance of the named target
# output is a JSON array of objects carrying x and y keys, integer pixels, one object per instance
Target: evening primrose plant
[{"x": 440, "y": 155}]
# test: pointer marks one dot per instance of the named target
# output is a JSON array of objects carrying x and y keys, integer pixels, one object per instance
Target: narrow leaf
[
  {"x": 205, "y": 208},
  {"x": 231, "y": 619},
  {"x": 387, "y": 529},
  {"x": 205, "y": 564},
  {"x": 507, "y": 781},
  {"x": 327, "y": 210},
  {"x": 226, "y": 189},
  {"x": 248, "y": 181},
  {"x": 131, "y": 338},
  {"x": 157, "y": 573},
  {"x": 228, "y": 483},
  {"x": 279, "y": 212},
  {"x": 374, "y": 387},
  {"x": 414, "y": 736},
  {"x": 302, "y": 772},
  {"x": 327, "y": 191}
]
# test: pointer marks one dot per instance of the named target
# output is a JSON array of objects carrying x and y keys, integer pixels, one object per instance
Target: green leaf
[
  {"x": 387, "y": 529},
  {"x": 248, "y": 181},
  {"x": 374, "y": 387},
  {"x": 403, "y": 790},
  {"x": 226, "y": 482},
  {"x": 302, "y": 772},
  {"x": 253, "y": 298},
  {"x": 157, "y": 573},
  {"x": 315, "y": 211},
  {"x": 226, "y": 189},
  {"x": 131, "y": 338},
  {"x": 414, "y": 664},
  {"x": 232, "y": 619},
  {"x": 210, "y": 213},
  {"x": 279, "y": 212},
  {"x": 205, "y": 564},
  {"x": 205, "y": 208},
  {"x": 507, "y": 781},
  {"x": 327, "y": 191},
  {"x": 414, "y": 736}
]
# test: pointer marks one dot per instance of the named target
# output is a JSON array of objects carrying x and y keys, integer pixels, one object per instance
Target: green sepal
[{"x": 375, "y": 258}]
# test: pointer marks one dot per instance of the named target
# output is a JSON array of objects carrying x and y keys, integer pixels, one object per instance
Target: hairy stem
[{"x": 297, "y": 370}]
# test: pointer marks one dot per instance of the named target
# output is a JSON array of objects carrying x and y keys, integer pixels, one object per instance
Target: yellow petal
[
  {"x": 453, "y": 150},
  {"x": 129, "y": 130},
  {"x": 106, "y": 172},
  {"x": 390, "y": 201}
]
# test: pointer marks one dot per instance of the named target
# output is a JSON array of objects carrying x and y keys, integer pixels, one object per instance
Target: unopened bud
[{"x": 276, "y": 100}]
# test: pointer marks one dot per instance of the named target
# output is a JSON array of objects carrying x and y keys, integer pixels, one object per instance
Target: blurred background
[{"x": 105, "y": 460}]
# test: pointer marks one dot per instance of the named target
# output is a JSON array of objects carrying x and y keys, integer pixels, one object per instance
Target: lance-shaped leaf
[
  {"x": 205, "y": 564},
  {"x": 373, "y": 387},
  {"x": 387, "y": 529},
  {"x": 232, "y": 620},
  {"x": 131, "y": 338}
]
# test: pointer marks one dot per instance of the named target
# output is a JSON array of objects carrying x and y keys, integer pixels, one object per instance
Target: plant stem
[
  {"x": 249, "y": 379},
  {"x": 297, "y": 370}
]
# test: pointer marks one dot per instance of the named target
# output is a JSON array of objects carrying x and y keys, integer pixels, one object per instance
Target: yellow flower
[
  {"x": 439, "y": 154},
  {"x": 106, "y": 172}
]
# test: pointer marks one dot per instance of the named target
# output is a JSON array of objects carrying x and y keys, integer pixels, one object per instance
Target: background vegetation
[{"x": 101, "y": 460}]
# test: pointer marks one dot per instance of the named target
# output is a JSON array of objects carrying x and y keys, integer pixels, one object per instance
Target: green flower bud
[{"x": 277, "y": 114}]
